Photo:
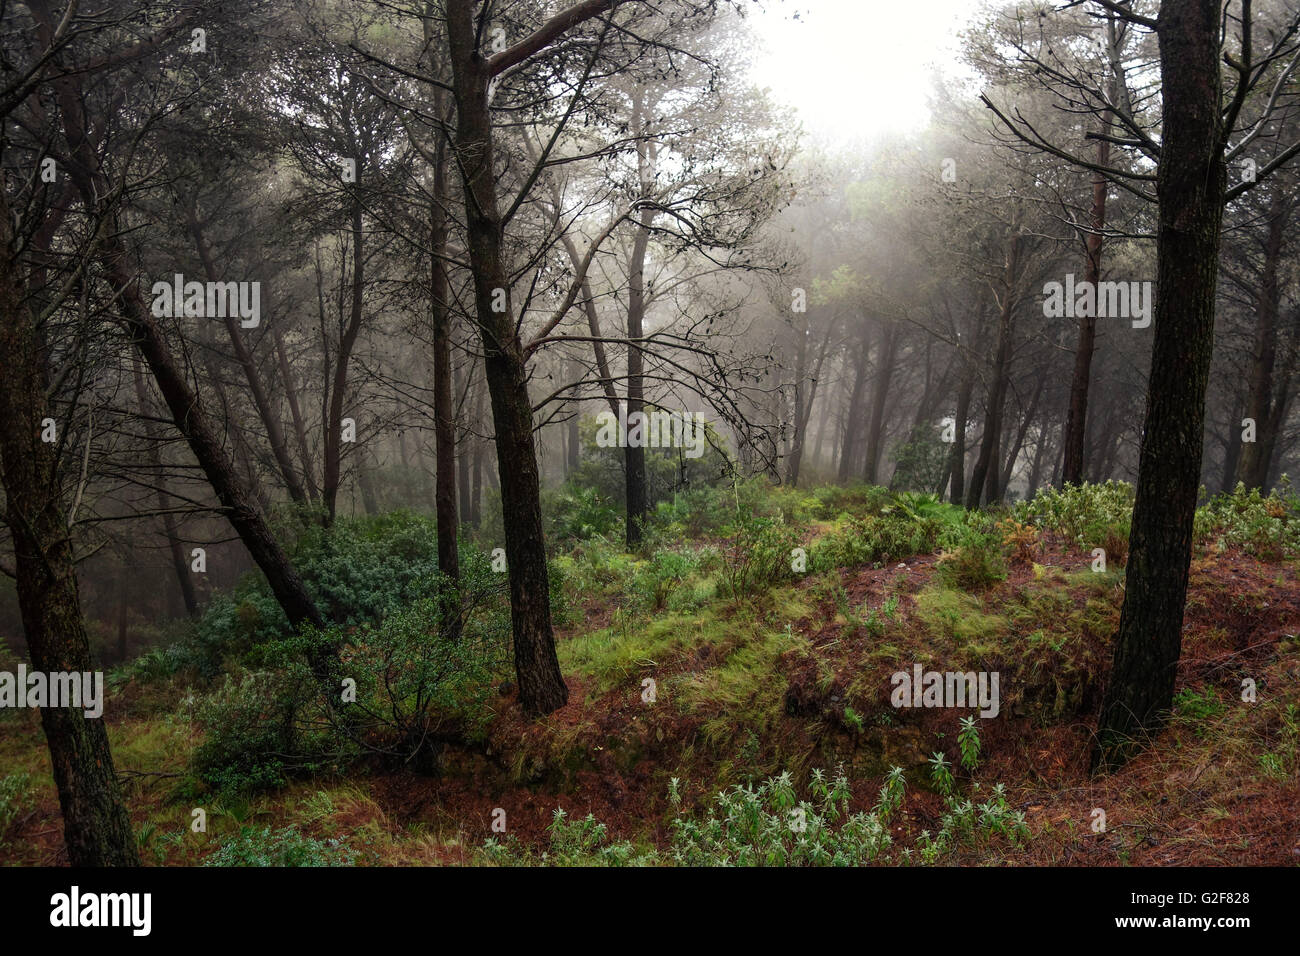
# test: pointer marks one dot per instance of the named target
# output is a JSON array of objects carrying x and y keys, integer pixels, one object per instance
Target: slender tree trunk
[
  {"x": 984, "y": 465},
  {"x": 541, "y": 683},
  {"x": 634, "y": 457},
  {"x": 957, "y": 457},
  {"x": 347, "y": 341},
  {"x": 295, "y": 412},
  {"x": 1252, "y": 466},
  {"x": 179, "y": 563},
  {"x": 853, "y": 412},
  {"x": 1190, "y": 185},
  {"x": 270, "y": 420},
  {"x": 1231, "y": 454},
  {"x": 444, "y": 413},
  {"x": 1076, "y": 421},
  {"x": 880, "y": 396},
  {"x": 96, "y": 826},
  {"x": 800, "y": 413},
  {"x": 1021, "y": 431}
]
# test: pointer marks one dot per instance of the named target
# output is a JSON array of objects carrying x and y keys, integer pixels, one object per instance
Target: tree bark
[
  {"x": 1076, "y": 422},
  {"x": 1255, "y": 458},
  {"x": 96, "y": 826},
  {"x": 887, "y": 354},
  {"x": 1191, "y": 180},
  {"x": 444, "y": 413},
  {"x": 295, "y": 412},
  {"x": 985, "y": 464},
  {"x": 541, "y": 683}
]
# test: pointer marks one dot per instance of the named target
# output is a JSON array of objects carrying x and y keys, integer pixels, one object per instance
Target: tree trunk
[
  {"x": 957, "y": 457},
  {"x": 853, "y": 412},
  {"x": 270, "y": 420},
  {"x": 983, "y": 472},
  {"x": 1076, "y": 422},
  {"x": 295, "y": 412},
  {"x": 1190, "y": 185},
  {"x": 634, "y": 458},
  {"x": 541, "y": 683},
  {"x": 96, "y": 826},
  {"x": 347, "y": 340},
  {"x": 444, "y": 413},
  {"x": 1254, "y": 461},
  {"x": 180, "y": 565},
  {"x": 879, "y": 396}
]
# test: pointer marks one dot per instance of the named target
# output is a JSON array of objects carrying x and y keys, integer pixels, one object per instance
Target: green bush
[
  {"x": 834, "y": 501},
  {"x": 668, "y": 473},
  {"x": 580, "y": 842},
  {"x": 355, "y": 571},
  {"x": 1092, "y": 516},
  {"x": 417, "y": 683},
  {"x": 922, "y": 460},
  {"x": 976, "y": 564},
  {"x": 254, "y": 738},
  {"x": 283, "y": 847},
  {"x": 574, "y": 513},
  {"x": 759, "y": 556},
  {"x": 858, "y": 542},
  {"x": 1267, "y": 526},
  {"x": 768, "y": 825}
]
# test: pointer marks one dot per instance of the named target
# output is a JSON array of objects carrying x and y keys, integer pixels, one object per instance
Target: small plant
[
  {"x": 573, "y": 842},
  {"x": 853, "y": 720},
  {"x": 16, "y": 797},
  {"x": 769, "y": 825},
  {"x": 941, "y": 774},
  {"x": 1020, "y": 540},
  {"x": 759, "y": 556},
  {"x": 283, "y": 847},
  {"x": 968, "y": 742},
  {"x": 976, "y": 565}
]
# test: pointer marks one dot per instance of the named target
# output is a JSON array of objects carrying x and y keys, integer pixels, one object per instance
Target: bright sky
[{"x": 856, "y": 68}]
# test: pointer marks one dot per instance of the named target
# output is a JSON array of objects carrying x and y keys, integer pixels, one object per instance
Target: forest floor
[{"x": 793, "y": 678}]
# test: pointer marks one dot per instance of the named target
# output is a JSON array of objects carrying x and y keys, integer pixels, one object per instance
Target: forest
[{"x": 510, "y": 433}]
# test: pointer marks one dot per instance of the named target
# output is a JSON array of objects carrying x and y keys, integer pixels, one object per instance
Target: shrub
[
  {"x": 668, "y": 473},
  {"x": 976, "y": 564},
  {"x": 1092, "y": 516},
  {"x": 254, "y": 738},
  {"x": 864, "y": 541},
  {"x": 283, "y": 847},
  {"x": 1020, "y": 540},
  {"x": 418, "y": 684},
  {"x": 1267, "y": 526},
  {"x": 759, "y": 557},
  {"x": 834, "y": 501},
  {"x": 769, "y": 825},
  {"x": 580, "y": 842},
  {"x": 922, "y": 460},
  {"x": 355, "y": 571},
  {"x": 575, "y": 513}
]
